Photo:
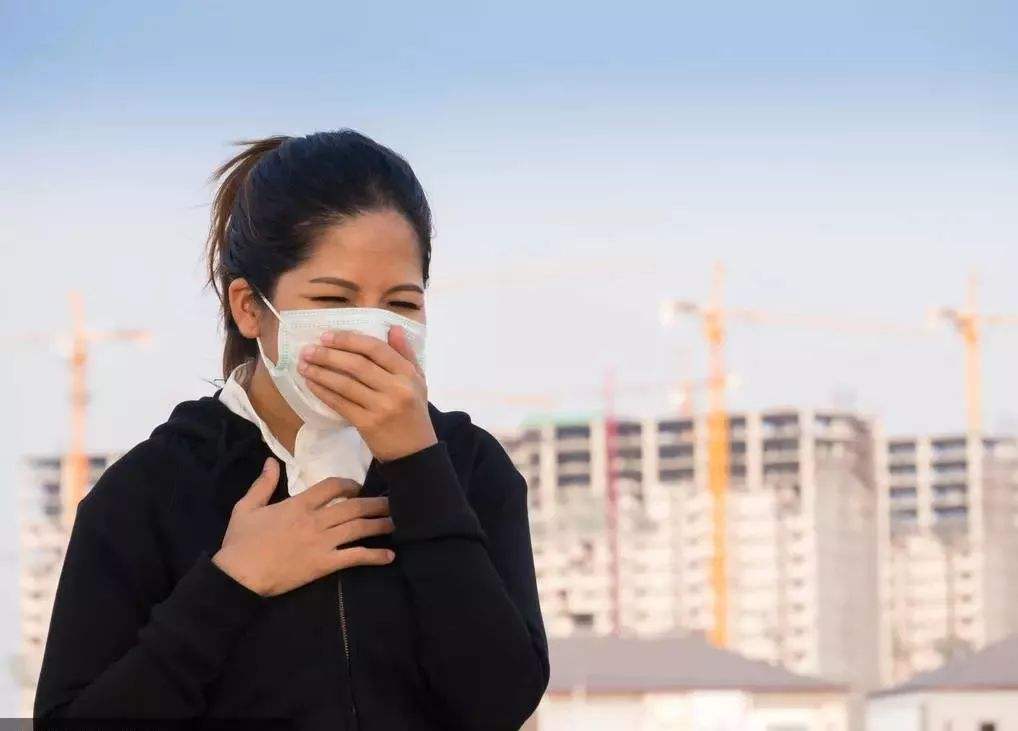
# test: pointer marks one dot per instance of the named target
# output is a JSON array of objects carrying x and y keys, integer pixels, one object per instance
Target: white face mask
[{"x": 298, "y": 328}]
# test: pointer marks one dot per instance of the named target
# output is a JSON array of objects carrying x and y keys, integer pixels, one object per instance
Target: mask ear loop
[
  {"x": 268, "y": 304},
  {"x": 258, "y": 340}
]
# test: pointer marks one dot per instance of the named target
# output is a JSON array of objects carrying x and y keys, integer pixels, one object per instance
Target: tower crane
[
  {"x": 714, "y": 317},
  {"x": 969, "y": 322},
  {"x": 74, "y": 345}
]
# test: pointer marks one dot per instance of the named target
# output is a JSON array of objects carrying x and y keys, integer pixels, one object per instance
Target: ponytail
[{"x": 234, "y": 175}]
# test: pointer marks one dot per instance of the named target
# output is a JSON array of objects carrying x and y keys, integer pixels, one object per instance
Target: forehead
[{"x": 373, "y": 245}]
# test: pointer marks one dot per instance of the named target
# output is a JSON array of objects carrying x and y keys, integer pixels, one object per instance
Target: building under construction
[
  {"x": 629, "y": 550},
  {"x": 949, "y": 541}
]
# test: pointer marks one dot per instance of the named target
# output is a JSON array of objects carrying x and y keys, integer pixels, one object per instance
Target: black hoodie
[{"x": 447, "y": 636}]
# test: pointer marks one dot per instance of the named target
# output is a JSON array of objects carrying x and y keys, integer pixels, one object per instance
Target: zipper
[{"x": 346, "y": 646}]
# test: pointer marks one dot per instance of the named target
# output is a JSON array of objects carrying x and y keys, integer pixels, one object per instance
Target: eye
[{"x": 406, "y": 305}]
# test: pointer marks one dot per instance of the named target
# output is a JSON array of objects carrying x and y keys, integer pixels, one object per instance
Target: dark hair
[{"x": 279, "y": 192}]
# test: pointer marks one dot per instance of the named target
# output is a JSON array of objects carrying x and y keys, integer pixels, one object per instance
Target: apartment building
[
  {"x": 801, "y": 532},
  {"x": 949, "y": 547},
  {"x": 43, "y": 538}
]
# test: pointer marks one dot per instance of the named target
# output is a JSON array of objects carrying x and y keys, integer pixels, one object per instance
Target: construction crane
[
  {"x": 714, "y": 317},
  {"x": 74, "y": 346},
  {"x": 526, "y": 274},
  {"x": 968, "y": 321}
]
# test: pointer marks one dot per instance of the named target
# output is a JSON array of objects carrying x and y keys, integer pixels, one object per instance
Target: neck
[{"x": 271, "y": 407}]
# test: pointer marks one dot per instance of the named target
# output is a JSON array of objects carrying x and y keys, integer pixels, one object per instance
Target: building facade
[
  {"x": 949, "y": 548},
  {"x": 801, "y": 533}
]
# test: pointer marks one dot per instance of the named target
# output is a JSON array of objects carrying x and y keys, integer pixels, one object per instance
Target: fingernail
[
  {"x": 390, "y": 555},
  {"x": 268, "y": 463}
]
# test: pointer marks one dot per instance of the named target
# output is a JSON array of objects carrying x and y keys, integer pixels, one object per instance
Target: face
[{"x": 370, "y": 260}]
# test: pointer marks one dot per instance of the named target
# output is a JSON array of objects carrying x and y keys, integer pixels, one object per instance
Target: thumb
[{"x": 264, "y": 485}]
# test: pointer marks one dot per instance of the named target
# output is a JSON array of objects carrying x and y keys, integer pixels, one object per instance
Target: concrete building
[
  {"x": 978, "y": 692},
  {"x": 678, "y": 684},
  {"x": 43, "y": 545},
  {"x": 949, "y": 548},
  {"x": 801, "y": 533}
]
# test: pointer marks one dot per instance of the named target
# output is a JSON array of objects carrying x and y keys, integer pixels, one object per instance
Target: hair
[{"x": 276, "y": 196}]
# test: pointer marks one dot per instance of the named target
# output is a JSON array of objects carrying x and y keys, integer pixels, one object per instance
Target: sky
[{"x": 583, "y": 162}]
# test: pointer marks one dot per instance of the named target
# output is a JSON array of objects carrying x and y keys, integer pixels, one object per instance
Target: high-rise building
[
  {"x": 43, "y": 546},
  {"x": 949, "y": 548},
  {"x": 801, "y": 532}
]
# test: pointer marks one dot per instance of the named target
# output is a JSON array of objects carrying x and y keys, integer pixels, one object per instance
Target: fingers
[
  {"x": 356, "y": 529},
  {"x": 325, "y": 362},
  {"x": 328, "y": 489},
  {"x": 362, "y": 507},
  {"x": 264, "y": 485},
  {"x": 343, "y": 558}
]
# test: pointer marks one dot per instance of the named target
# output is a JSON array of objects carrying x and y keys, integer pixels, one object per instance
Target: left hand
[{"x": 377, "y": 386}]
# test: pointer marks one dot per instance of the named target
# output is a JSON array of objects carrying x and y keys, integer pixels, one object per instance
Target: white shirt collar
[{"x": 317, "y": 454}]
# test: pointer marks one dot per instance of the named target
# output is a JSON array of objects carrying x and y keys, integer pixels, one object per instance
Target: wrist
[
  {"x": 407, "y": 451},
  {"x": 223, "y": 561}
]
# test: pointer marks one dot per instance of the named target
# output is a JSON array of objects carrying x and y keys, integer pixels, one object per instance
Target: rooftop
[
  {"x": 992, "y": 668},
  {"x": 669, "y": 663}
]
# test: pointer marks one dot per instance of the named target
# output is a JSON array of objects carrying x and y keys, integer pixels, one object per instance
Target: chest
[{"x": 316, "y": 649}]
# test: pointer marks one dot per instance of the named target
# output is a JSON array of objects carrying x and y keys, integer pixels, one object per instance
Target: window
[
  {"x": 675, "y": 427},
  {"x": 581, "y": 457},
  {"x": 987, "y": 726},
  {"x": 675, "y": 450},
  {"x": 627, "y": 429}
]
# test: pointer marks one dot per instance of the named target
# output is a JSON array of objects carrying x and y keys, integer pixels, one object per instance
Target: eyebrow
[{"x": 356, "y": 288}]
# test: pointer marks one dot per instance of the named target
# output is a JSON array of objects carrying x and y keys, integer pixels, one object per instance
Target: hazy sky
[{"x": 857, "y": 160}]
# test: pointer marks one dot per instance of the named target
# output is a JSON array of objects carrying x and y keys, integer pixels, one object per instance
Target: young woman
[{"x": 383, "y": 577}]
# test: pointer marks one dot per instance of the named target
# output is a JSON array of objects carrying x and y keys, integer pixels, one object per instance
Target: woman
[{"x": 384, "y": 579}]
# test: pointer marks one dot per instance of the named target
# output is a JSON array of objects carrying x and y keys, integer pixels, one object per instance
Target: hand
[
  {"x": 272, "y": 549},
  {"x": 377, "y": 386}
]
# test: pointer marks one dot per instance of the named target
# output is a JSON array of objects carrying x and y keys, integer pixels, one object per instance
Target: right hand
[{"x": 272, "y": 549}]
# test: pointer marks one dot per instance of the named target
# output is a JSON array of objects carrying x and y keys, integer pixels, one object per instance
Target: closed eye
[{"x": 408, "y": 305}]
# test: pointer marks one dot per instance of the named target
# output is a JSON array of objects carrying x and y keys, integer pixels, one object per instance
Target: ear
[{"x": 245, "y": 307}]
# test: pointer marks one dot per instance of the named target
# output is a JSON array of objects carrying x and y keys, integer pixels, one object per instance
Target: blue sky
[{"x": 853, "y": 159}]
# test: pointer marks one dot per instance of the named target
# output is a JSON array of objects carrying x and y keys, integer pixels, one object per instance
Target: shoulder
[
  {"x": 480, "y": 458},
  {"x": 467, "y": 440},
  {"x": 172, "y": 454},
  {"x": 133, "y": 479},
  {"x": 182, "y": 451},
  {"x": 464, "y": 435}
]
